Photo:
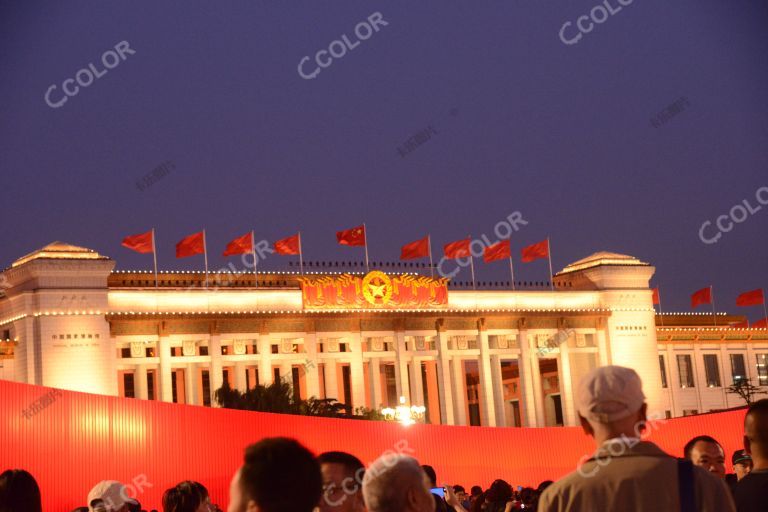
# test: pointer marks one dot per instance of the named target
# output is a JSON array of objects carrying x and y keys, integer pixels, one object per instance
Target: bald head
[
  {"x": 756, "y": 433},
  {"x": 396, "y": 483}
]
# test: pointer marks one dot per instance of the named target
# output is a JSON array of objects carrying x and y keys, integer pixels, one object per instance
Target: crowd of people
[{"x": 625, "y": 473}]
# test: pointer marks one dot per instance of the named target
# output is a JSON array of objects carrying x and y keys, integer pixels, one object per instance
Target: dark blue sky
[{"x": 561, "y": 133}]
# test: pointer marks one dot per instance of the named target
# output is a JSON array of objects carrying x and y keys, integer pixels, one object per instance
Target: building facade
[{"x": 471, "y": 357}]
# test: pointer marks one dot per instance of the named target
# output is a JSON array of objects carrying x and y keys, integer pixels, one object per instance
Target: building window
[
  {"x": 206, "y": 388},
  {"x": 762, "y": 369},
  {"x": 690, "y": 412},
  {"x": 125, "y": 352},
  {"x": 738, "y": 368},
  {"x": 685, "y": 368},
  {"x": 203, "y": 350},
  {"x": 128, "y": 386},
  {"x": 711, "y": 370},
  {"x": 151, "y": 385},
  {"x": 663, "y": 368}
]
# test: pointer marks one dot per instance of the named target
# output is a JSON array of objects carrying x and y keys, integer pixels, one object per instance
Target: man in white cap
[
  {"x": 627, "y": 473},
  {"x": 109, "y": 496}
]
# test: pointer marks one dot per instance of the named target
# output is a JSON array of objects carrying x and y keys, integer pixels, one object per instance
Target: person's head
[
  {"x": 706, "y": 452},
  {"x": 396, "y": 483},
  {"x": 460, "y": 493},
  {"x": 499, "y": 492},
  {"x": 475, "y": 491},
  {"x": 278, "y": 475},
  {"x": 19, "y": 491},
  {"x": 756, "y": 433},
  {"x": 742, "y": 463},
  {"x": 611, "y": 403},
  {"x": 342, "y": 482},
  {"x": 187, "y": 496},
  {"x": 430, "y": 471},
  {"x": 110, "y": 496}
]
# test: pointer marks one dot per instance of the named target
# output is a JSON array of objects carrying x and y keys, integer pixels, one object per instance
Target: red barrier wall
[{"x": 79, "y": 439}]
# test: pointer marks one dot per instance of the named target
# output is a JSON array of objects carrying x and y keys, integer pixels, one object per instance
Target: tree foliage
[{"x": 279, "y": 397}]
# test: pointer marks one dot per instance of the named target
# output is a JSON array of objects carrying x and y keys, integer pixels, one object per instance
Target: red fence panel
[{"x": 70, "y": 441}]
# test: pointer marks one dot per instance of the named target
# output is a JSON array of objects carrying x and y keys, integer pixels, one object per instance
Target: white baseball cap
[
  {"x": 609, "y": 393},
  {"x": 112, "y": 494}
]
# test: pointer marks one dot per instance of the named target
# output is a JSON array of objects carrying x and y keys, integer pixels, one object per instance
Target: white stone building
[{"x": 490, "y": 357}]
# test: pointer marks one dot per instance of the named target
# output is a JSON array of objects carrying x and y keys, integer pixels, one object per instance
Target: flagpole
[
  {"x": 431, "y": 265},
  {"x": 255, "y": 261},
  {"x": 549, "y": 256},
  {"x": 301, "y": 256},
  {"x": 365, "y": 234},
  {"x": 764, "y": 310},
  {"x": 472, "y": 265},
  {"x": 205, "y": 255},
  {"x": 661, "y": 313},
  {"x": 154, "y": 256},
  {"x": 712, "y": 295},
  {"x": 512, "y": 270}
]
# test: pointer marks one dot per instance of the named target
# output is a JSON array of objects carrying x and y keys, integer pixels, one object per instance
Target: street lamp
[{"x": 404, "y": 414}]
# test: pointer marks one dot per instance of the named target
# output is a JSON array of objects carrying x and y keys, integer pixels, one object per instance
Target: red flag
[
  {"x": 536, "y": 251},
  {"x": 498, "y": 251},
  {"x": 751, "y": 298},
  {"x": 656, "y": 296},
  {"x": 761, "y": 324},
  {"x": 240, "y": 245},
  {"x": 703, "y": 296},
  {"x": 191, "y": 245},
  {"x": 142, "y": 243},
  {"x": 354, "y": 236},
  {"x": 457, "y": 249},
  {"x": 417, "y": 249},
  {"x": 288, "y": 246}
]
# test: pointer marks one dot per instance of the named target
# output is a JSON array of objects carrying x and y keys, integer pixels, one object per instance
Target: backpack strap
[{"x": 685, "y": 485}]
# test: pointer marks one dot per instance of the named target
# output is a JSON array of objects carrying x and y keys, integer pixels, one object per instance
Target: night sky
[{"x": 514, "y": 120}]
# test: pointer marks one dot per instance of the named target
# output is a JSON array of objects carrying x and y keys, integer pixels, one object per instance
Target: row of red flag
[
  {"x": 704, "y": 296},
  {"x": 195, "y": 244}
]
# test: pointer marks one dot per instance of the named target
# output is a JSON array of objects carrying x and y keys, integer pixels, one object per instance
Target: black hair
[
  {"x": 19, "y": 491},
  {"x": 281, "y": 475},
  {"x": 476, "y": 490},
  {"x": 187, "y": 496},
  {"x": 459, "y": 488},
  {"x": 353, "y": 466},
  {"x": 690, "y": 444},
  {"x": 430, "y": 471}
]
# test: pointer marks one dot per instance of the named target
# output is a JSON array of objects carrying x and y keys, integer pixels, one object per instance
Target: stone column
[
  {"x": 459, "y": 391},
  {"x": 498, "y": 391},
  {"x": 527, "y": 368},
  {"x": 240, "y": 379},
  {"x": 374, "y": 374},
  {"x": 699, "y": 375},
  {"x": 487, "y": 405},
  {"x": 310, "y": 365},
  {"x": 356, "y": 372},
  {"x": 566, "y": 386},
  {"x": 190, "y": 383},
  {"x": 444, "y": 377},
  {"x": 140, "y": 378},
  {"x": 266, "y": 376},
  {"x": 215, "y": 374},
  {"x": 417, "y": 386},
  {"x": 401, "y": 367},
  {"x": 165, "y": 377}
]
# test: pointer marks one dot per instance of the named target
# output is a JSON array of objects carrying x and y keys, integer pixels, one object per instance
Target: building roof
[
  {"x": 60, "y": 251},
  {"x": 603, "y": 258}
]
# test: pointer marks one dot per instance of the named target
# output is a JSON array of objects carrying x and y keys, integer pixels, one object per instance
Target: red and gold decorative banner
[{"x": 374, "y": 290}]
